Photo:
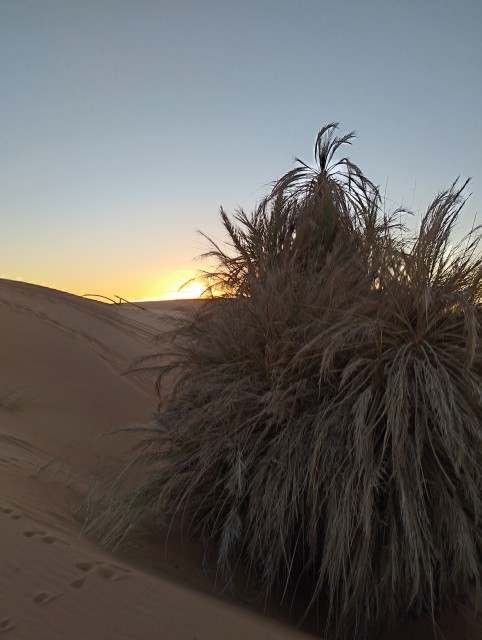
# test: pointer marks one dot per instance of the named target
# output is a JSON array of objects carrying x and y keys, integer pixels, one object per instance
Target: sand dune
[
  {"x": 61, "y": 386},
  {"x": 62, "y": 359}
]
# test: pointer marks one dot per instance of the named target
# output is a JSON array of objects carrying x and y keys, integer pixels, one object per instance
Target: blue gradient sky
[{"x": 126, "y": 124}]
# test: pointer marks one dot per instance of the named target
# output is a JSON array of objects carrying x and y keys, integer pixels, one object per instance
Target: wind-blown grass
[{"x": 325, "y": 424}]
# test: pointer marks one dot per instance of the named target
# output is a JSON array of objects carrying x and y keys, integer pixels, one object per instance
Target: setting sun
[
  {"x": 174, "y": 290},
  {"x": 192, "y": 290}
]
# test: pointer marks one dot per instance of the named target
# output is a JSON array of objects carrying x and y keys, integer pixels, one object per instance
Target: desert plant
[{"x": 325, "y": 422}]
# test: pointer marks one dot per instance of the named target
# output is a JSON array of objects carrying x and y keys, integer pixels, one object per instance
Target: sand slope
[{"x": 61, "y": 386}]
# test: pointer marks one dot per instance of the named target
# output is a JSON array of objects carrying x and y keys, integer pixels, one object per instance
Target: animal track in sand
[
  {"x": 11, "y": 513},
  {"x": 106, "y": 571},
  {"x": 111, "y": 572},
  {"x": 77, "y": 584},
  {"x": 85, "y": 566},
  {"x": 44, "y": 597},
  {"x": 6, "y": 625},
  {"x": 42, "y": 535}
]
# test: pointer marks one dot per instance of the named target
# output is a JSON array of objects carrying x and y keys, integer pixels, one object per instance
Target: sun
[
  {"x": 174, "y": 290},
  {"x": 192, "y": 290}
]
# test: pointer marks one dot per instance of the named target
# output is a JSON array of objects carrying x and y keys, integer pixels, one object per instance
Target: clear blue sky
[{"x": 124, "y": 125}]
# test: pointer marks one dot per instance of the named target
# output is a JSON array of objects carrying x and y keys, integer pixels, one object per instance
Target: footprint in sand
[
  {"x": 106, "y": 571},
  {"x": 6, "y": 625},
  {"x": 85, "y": 566},
  {"x": 112, "y": 572},
  {"x": 77, "y": 584},
  {"x": 41, "y": 535},
  {"x": 11, "y": 513},
  {"x": 44, "y": 597}
]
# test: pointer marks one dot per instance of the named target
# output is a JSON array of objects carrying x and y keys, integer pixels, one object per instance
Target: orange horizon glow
[
  {"x": 168, "y": 287},
  {"x": 177, "y": 291}
]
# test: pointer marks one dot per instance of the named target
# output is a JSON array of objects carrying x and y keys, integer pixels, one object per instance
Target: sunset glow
[
  {"x": 191, "y": 291},
  {"x": 124, "y": 131}
]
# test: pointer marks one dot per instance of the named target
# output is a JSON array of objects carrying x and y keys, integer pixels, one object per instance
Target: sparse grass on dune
[{"x": 325, "y": 424}]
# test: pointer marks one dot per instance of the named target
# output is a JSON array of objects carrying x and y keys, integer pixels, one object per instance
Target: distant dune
[{"x": 61, "y": 386}]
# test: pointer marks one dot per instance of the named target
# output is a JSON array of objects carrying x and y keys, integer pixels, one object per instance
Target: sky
[{"x": 125, "y": 125}]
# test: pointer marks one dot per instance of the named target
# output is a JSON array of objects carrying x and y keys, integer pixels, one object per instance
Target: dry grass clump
[{"x": 325, "y": 425}]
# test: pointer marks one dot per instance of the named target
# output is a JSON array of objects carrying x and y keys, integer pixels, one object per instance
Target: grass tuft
[{"x": 325, "y": 424}]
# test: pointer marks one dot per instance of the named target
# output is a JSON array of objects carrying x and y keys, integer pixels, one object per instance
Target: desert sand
[{"x": 63, "y": 384}]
